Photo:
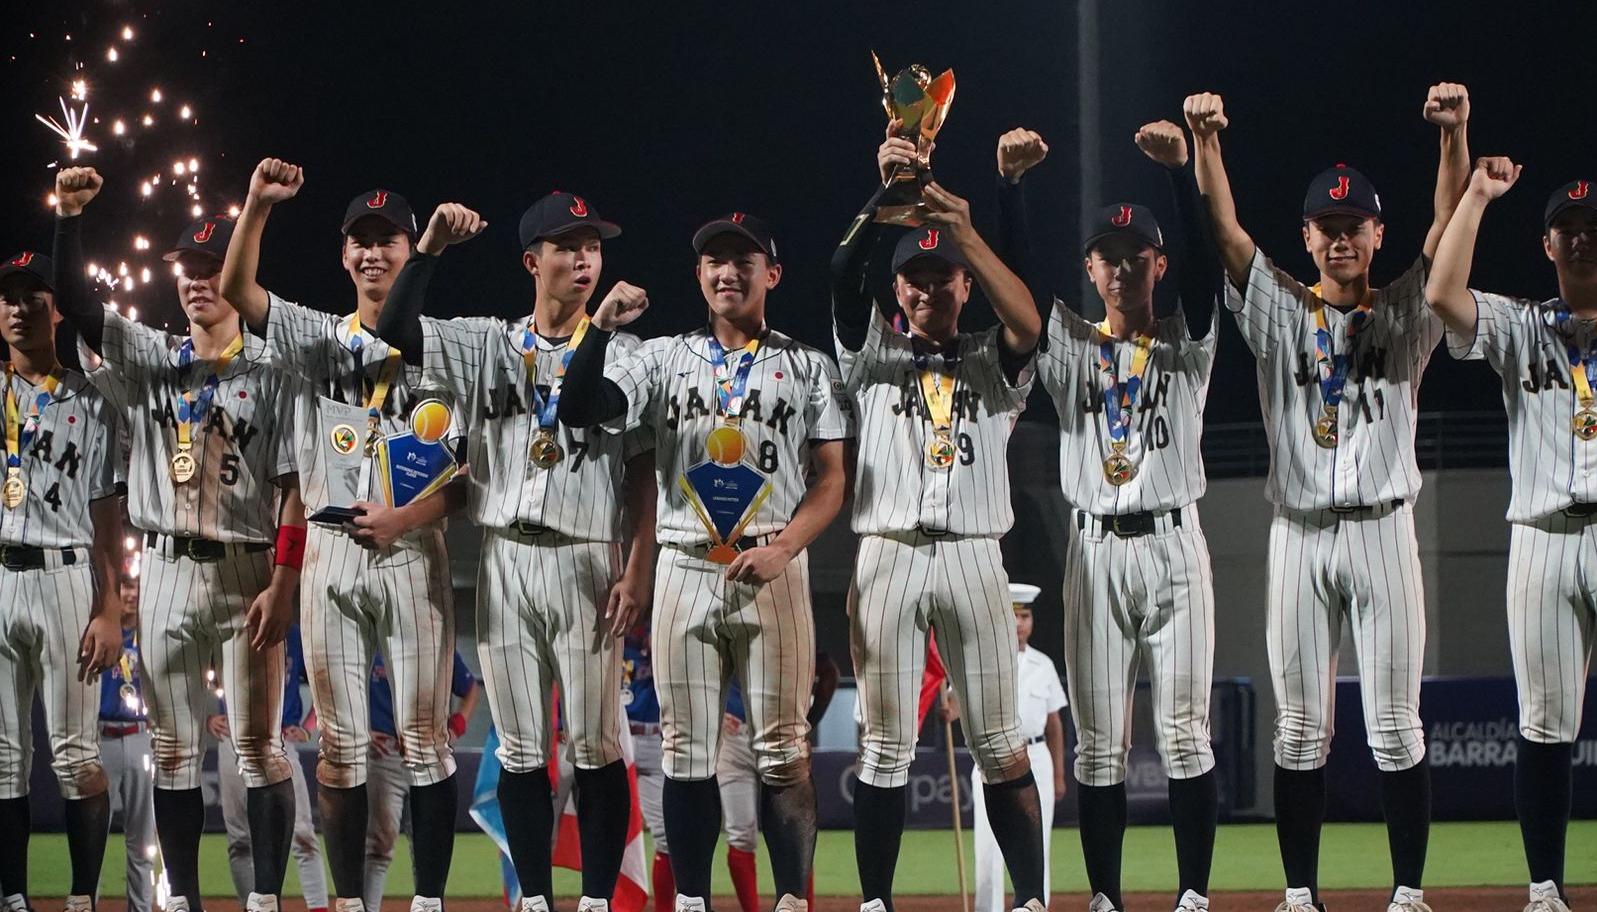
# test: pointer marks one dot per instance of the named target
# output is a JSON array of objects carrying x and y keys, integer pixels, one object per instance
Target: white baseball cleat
[
  {"x": 426, "y": 904},
  {"x": 261, "y": 902},
  {"x": 791, "y": 903},
  {"x": 691, "y": 904},
  {"x": 177, "y": 904},
  {"x": 79, "y": 904},
  {"x": 874, "y": 905},
  {"x": 339, "y": 905},
  {"x": 1544, "y": 898},
  {"x": 1298, "y": 899},
  {"x": 1192, "y": 901},
  {"x": 1101, "y": 903},
  {"x": 16, "y": 902},
  {"x": 1033, "y": 905},
  {"x": 1408, "y": 899},
  {"x": 534, "y": 904},
  {"x": 589, "y": 904}
]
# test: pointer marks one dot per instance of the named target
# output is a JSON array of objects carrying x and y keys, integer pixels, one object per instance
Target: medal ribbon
[
  {"x": 385, "y": 379},
  {"x": 1333, "y": 366},
  {"x": 936, "y": 387},
  {"x": 192, "y": 408},
  {"x": 20, "y": 428},
  {"x": 1120, "y": 398},
  {"x": 545, "y": 408},
  {"x": 729, "y": 383},
  {"x": 1582, "y": 362}
]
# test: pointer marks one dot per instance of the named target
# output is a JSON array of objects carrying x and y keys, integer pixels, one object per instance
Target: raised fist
[
  {"x": 1019, "y": 151},
  {"x": 1164, "y": 142},
  {"x": 275, "y": 180},
  {"x": 1447, "y": 105},
  {"x": 1205, "y": 113},
  {"x": 74, "y": 187},
  {"x": 625, "y": 303},
  {"x": 1494, "y": 176},
  {"x": 451, "y": 223}
]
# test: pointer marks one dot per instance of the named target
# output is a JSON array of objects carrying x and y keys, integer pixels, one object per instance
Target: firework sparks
[{"x": 72, "y": 132}]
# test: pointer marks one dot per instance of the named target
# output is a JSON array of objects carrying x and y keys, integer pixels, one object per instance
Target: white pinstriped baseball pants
[
  {"x": 904, "y": 585},
  {"x": 705, "y": 628},
  {"x": 540, "y": 603},
  {"x": 42, "y": 616},
  {"x": 1363, "y": 570},
  {"x": 1552, "y": 589},
  {"x": 1150, "y": 597},
  {"x": 350, "y": 600}
]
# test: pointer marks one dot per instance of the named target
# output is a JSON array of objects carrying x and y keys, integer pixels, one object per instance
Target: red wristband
[
  {"x": 290, "y": 546},
  {"x": 457, "y": 725}
]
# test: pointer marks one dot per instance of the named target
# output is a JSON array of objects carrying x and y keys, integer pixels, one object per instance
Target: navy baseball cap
[
  {"x": 742, "y": 223},
  {"x": 1129, "y": 219},
  {"x": 208, "y": 236},
  {"x": 1341, "y": 190},
  {"x": 558, "y": 213},
  {"x": 386, "y": 205},
  {"x": 1575, "y": 194},
  {"x": 926, "y": 241},
  {"x": 30, "y": 263}
]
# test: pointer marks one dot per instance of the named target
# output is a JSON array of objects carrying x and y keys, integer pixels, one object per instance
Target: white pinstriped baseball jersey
[
  {"x": 1166, "y": 427},
  {"x": 68, "y": 460},
  {"x": 336, "y": 371},
  {"x": 1374, "y": 460},
  {"x": 480, "y": 361},
  {"x": 794, "y": 396},
  {"x": 896, "y": 490},
  {"x": 1528, "y": 345},
  {"x": 239, "y": 445}
]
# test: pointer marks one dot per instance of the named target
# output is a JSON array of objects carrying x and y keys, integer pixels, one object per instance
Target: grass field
[{"x": 1353, "y": 855}]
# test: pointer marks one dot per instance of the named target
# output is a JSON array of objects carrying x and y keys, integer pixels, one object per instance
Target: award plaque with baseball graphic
[
  {"x": 417, "y": 463},
  {"x": 724, "y": 491}
]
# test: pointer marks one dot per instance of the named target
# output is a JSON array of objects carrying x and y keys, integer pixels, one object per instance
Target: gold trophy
[{"x": 920, "y": 104}]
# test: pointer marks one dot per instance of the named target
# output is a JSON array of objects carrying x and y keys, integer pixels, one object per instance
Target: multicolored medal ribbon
[
  {"x": 374, "y": 402},
  {"x": 192, "y": 407},
  {"x": 937, "y": 395},
  {"x": 1120, "y": 401},
  {"x": 1582, "y": 371},
  {"x": 20, "y": 430},
  {"x": 545, "y": 451},
  {"x": 724, "y": 492},
  {"x": 1334, "y": 366}
]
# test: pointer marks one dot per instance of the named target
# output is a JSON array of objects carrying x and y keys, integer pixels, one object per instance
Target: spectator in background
[{"x": 125, "y": 752}]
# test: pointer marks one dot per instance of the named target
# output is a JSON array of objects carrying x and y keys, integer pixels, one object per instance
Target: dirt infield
[{"x": 1444, "y": 899}]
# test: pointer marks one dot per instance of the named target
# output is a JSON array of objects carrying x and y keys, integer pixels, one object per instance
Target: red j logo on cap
[
  {"x": 579, "y": 208},
  {"x": 929, "y": 242},
  {"x": 204, "y": 234},
  {"x": 23, "y": 259},
  {"x": 1580, "y": 191},
  {"x": 1123, "y": 219},
  {"x": 1340, "y": 190},
  {"x": 378, "y": 200}
]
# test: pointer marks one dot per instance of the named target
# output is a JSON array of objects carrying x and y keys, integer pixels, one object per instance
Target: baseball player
[
  {"x": 1339, "y": 372},
  {"x": 1546, "y": 353},
  {"x": 307, "y": 849},
  {"x": 748, "y": 426},
  {"x": 59, "y": 608},
  {"x": 1130, "y": 393},
  {"x": 206, "y": 418},
  {"x": 549, "y": 501},
  {"x": 936, "y": 409},
  {"x": 387, "y": 783},
  {"x": 380, "y": 577},
  {"x": 126, "y": 753},
  {"x": 734, "y": 772},
  {"x": 1040, "y": 699}
]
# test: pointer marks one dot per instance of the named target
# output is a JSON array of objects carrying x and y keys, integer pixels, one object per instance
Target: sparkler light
[{"x": 72, "y": 132}]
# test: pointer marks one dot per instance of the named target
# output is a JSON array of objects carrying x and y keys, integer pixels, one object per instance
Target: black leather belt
[
  {"x": 527, "y": 529},
  {"x": 202, "y": 550},
  {"x": 1037, "y": 740},
  {"x": 1580, "y": 510},
  {"x": 1129, "y": 525},
  {"x": 27, "y": 557},
  {"x": 1366, "y": 509}
]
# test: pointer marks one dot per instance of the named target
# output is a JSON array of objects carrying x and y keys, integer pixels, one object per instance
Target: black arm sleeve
[
  {"x": 589, "y": 397},
  {"x": 1202, "y": 274},
  {"x": 851, "y": 301},
  {"x": 400, "y": 323},
  {"x": 72, "y": 297},
  {"x": 1014, "y": 248}
]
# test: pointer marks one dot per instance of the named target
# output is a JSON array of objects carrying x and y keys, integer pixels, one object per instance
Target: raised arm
[
  {"x": 851, "y": 299},
  {"x": 1200, "y": 267},
  {"x": 273, "y": 182},
  {"x": 74, "y": 189},
  {"x": 1447, "y": 289},
  {"x": 1011, "y": 300},
  {"x": 1447, "y": 106},
  {"x": 590, "y": 397},
  {"x": 400, "y": 322},
  {"x": 1020, "y": 150},
  {"x": 1205, "y": 115}
]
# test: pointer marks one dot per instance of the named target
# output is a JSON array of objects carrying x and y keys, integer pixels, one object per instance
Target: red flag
[
  {"x": 931, "y": 682},
  {"x": 632, "y": 891}
]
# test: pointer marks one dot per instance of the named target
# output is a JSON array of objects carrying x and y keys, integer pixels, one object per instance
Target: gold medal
[
  {"x": 1326, "y": 428},
  {"x": 183, "y": 466},
  {"x": 940, "y": 451},
  {"x": 546, "y": 451},
  {"x": 1118, "y": 468},
  {"x": 344, "y": 439},
  {"x": 1584, "y": 424},
  {"x": 15, "y": 489}
]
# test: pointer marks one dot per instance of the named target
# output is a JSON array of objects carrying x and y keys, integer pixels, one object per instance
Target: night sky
[{"x": 664, "y": 115}]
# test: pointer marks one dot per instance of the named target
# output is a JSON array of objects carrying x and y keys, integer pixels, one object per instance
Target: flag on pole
[{"x": 485, "y": 811}]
